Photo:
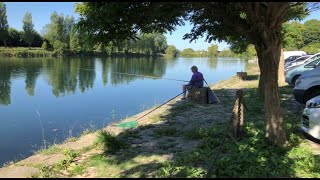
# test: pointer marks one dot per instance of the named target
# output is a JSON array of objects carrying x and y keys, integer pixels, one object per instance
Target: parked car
[
  {"x": 307, "y": 86},
  {"x": 310, "y": 122},
  {"x": 291, "y": 58},
  {"x": 287, "y": 54},
  {"x": 311, "y": 58},
  {"x": 292, "y": 74},
  {"x": 299, "y": 59}
]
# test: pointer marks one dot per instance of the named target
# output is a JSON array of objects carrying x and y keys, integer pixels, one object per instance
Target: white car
[
  {"x": 287, "y": 54},
  {"x": 299, "y": 59},
  {"x": 310, "y": 122},
  {"x": 296, "y": 63}
]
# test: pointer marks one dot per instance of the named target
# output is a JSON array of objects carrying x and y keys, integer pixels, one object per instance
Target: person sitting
[{"x": 196, "y": 81}]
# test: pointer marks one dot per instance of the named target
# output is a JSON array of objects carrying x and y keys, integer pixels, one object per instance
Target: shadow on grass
[
  {"x": 190, "y": 142},
  {"x": 252, "y": 77}
]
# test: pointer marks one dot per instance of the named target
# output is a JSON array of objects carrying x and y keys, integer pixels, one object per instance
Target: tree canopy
[{"x": 238, "y": 23}]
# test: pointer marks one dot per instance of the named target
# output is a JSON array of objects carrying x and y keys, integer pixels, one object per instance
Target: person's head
[{"x": 194, "y": 69}]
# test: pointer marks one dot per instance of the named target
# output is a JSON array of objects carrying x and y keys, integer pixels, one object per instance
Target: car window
[
  {"x": 315, "y": 57},
  {"x": 315, "y": 62}
]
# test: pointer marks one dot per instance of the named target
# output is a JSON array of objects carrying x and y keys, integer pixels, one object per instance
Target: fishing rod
[
  {"x": 138, "y": 75},
  {"x": 132, "y": 124},
  {"x": 149, "y": 76}
]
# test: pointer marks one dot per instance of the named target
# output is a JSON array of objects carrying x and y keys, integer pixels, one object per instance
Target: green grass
[
  {"x": 77, "y": 170},
  {"x": 24, "y": 52},
  {"x": 252, "y": 156},
  {"x": 54, "y": 149},
  {"x": 167, "y": 131},
  {"x": 157, "y": 118},
  {"x": 108, "y": 141},
  {"x": 44, "y": 172},
  {"x": 71, "y": 139}
]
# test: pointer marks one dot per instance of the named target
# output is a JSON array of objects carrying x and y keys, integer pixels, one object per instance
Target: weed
[
  {"x": 109, "y": 142},
  {"x": 54, "y": 149}
]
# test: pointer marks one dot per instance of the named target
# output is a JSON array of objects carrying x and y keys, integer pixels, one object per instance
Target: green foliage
[
  {"x": 213, "y": 50},
  {"x": 3, "y": 23},
  {"x": 171, "y": 50},
  {"x": 28, "y": 28},
  {"x": 109, "y": 142},
  {"x": 45, "y": 45},
  {"x": 54, "y": 149},
  {"x": 188, "y": 52},
  {"x": 293, "y": 35},
  {"x": 15, "y": 38},
  {"x": 74, "y": 40},
  {"x": 59, "y": 47},
  {"x": 249, "y": 54},
  {"x": 226, "y": 53},
  {"x": 312, "y": 33},
  {"x": 312, "y": 48}
]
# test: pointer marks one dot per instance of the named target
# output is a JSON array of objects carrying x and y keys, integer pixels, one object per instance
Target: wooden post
[{"x": 237, "y": 121}]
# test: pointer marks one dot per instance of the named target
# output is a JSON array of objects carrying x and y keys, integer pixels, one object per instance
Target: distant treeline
[{"x": 61, "y": 37}]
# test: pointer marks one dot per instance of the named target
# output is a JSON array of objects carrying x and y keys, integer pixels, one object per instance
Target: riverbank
[
  {"x": 181, "y": 139},
  {"x": 22, "y": 52}
]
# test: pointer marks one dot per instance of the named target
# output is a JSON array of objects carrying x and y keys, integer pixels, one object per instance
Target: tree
[
  {"x": 28, "y": 28},
  {"x": 312, "y": 32},
  {"x": 74, "y": 40},
  {"x": 3, "y": 24},
  {"x": 293, "y": 35},
  {"x": 171, "y": 50},
  {"x": 258, "y": 23},
  {"x": 188, "y": 52},
  {"x": 15, "y": 37},
  {"x": 213, "y": 50}
]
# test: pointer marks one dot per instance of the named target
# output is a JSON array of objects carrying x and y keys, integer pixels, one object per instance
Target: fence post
[{"x": 238, "y": 120}]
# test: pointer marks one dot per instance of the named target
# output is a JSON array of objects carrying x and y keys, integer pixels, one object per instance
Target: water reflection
[{"x": 66, "y": 75}]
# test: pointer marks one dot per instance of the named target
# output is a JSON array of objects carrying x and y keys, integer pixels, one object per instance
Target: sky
[{"x": 41, "y": 12}]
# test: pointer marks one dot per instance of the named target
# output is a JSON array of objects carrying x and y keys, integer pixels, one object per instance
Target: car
[
  {"x": 287, "y": 54},
  {"x": 310, "y": 121},
  {"x": 297, "y": 63},
  {"x": 307, "y": 86},
  {"x": 291, "y": 58},
  {"x": 293, "y": 73},
  {"x": 299, "y": 59}
]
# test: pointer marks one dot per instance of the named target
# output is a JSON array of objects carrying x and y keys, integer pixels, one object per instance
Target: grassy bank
[
  {"x": 24, "y": 52},
  {"x": 39, "y": 52}
]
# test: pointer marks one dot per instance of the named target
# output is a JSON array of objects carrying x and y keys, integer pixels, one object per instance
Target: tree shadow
[
  {"x": 252, "y": 77},
  {"x": 188, "y": 136}
]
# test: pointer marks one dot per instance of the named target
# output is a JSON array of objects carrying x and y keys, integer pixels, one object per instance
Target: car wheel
[
  {"x": 311, "y": 95},
  {"x": 294, "y": 79}
]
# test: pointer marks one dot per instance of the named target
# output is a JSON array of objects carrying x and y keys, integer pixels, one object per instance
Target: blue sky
[{"x": 41, "y": 12}]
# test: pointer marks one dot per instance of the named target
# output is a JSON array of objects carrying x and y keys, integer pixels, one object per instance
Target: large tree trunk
[
  {"x": 269, "y": 59},
  {"x": 262, "y": 74}
]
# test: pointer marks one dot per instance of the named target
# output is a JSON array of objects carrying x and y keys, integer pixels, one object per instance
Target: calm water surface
[{"x": 63, "y": 97}]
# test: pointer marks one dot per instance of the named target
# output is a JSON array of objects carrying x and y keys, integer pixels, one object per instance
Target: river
[{"x": 47, "y": 100}]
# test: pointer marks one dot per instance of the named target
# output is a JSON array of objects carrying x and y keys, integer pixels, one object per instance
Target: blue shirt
[{"x": 196, "y": 79}]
